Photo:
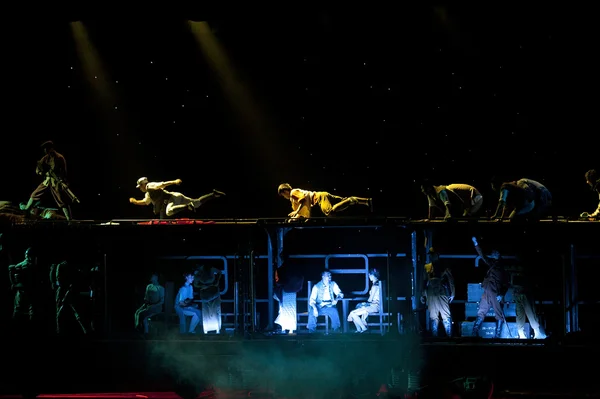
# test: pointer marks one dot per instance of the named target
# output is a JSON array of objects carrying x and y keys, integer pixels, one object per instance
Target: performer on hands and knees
[
  {"x": 524, "y": 198},
  {"x": 495, "y": 285},
  {"x": 453, "y": 199},
  {"x": 168, "y": 203},
  {"x": 591, "y": 178},
  {"x": 303, "y": 201}
]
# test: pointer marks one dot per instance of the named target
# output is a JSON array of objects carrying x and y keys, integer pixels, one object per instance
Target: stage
[
  {"x": 250, "y": 359},
  {"x": 301, "y": 366}
]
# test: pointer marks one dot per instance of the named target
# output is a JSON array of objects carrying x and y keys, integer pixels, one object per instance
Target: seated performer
[
  {"x": 154, "y": 298},
  {"x": 184, "y": 305},
  {"x": 303, "y": 201},
  {"x": 525, "y": 198},
  {"x": 452, "y": 199},
  {"x": 591, "y": 177},
  {"x": 168, "y": 203},
  {"x": 206, "y": 282},
  {"x": 359, "y": 315},
  {"x": 323, "y": 300}
]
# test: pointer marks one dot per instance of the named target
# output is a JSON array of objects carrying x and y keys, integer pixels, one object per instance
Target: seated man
[
  {"x": 184, "y": 305},
  {"x": 154, "y": 298},
  {"x": 322, "y": 302}
]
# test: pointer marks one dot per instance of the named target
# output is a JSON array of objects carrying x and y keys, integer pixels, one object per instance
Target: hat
[
  {"x": 47, "y": 144},
  {"x": 140, "y": 181}
]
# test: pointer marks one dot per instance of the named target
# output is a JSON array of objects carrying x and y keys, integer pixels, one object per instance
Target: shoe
[{"x": 218, "y": 193}]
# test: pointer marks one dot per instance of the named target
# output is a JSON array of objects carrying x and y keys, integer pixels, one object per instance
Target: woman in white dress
[{"x": 359, "y": 315}]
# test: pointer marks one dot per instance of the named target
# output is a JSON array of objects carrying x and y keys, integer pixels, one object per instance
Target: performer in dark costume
[
  {"x": 24, "y": 282},
  {"x": 168, "y": 203},
  {"x": 154, "y": 299},
  {"x": 53, "y": 167},
  {"x": 65, "y": 280},
  {"x": 439, "y": 292}
]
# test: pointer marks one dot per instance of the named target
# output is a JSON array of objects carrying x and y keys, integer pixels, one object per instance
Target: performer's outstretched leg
[
  {"x": 348, "y": 202},
  {"x": 196, "y": 203}
]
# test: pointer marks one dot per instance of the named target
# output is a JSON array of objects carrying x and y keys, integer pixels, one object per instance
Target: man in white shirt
[
  {"x": 184, "y": 305},
  {"x": 168, "y": 203},
  {"x": 322, "y": 302}
]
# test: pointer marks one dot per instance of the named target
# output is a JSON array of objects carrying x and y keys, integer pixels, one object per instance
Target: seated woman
[{"x": 359, "y": 315}]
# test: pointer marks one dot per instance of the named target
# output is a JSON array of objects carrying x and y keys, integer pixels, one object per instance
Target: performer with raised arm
[
  {"x": 53, "y": 167},
  {"x": 168, "y": 203},
  {"x": 303, "y": 201},
  {"x": 495, "y": 285}
]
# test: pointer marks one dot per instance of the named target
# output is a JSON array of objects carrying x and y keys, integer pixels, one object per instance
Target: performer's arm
[
  {"x": 312, "y": 301},
  {"x": 501, "y": 209},
  {"x": 11, "y": 276},
  {"x": 166, "y": 184},
  {"x": 444, "y": 198},
  {"x": 161, "y": 295},
  {"x": 450, "y": 277},
  {"x": 145, "y": 201},
  {"x": 479, "y": 251},
  {"x": 337, "y": 291},
  {"x": 597, "y": 212},
  {"x": 146, "y": 296}
]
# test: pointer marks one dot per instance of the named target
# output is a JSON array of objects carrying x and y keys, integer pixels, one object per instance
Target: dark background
[{"x": 355, "y": 101}]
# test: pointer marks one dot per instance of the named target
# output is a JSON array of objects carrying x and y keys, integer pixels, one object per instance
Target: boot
[
  {"x": 67, "y": 212},
  {"x": 499, "y": 325},
  {"x": 539, "y": 333},
  {"x": 434, "y": 327},
  {"x": 476, "y": 327},
  {"x": 448, "y": 327}
]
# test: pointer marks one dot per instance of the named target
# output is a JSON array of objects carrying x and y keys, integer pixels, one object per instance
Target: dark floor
[{"x": 305, "y": 367}]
